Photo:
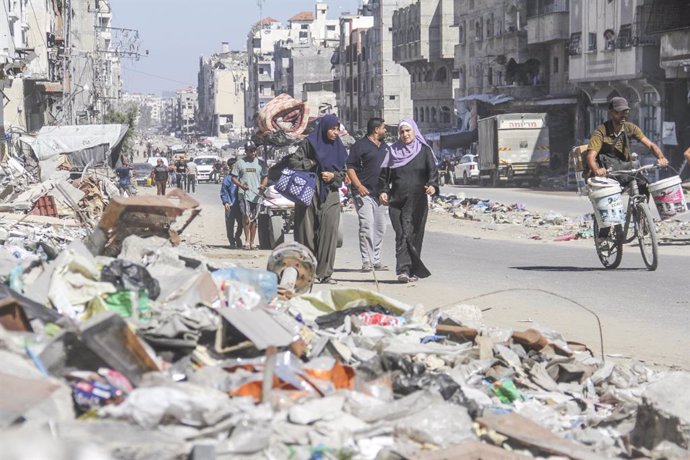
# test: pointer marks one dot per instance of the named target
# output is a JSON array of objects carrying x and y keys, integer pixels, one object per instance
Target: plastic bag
[{"x": 124, "y": 274}]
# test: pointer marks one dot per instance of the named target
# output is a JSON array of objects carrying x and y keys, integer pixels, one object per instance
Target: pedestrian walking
[
  {"x": 180, "y": 172},
  {"x": 231, "y": 203},
  {"x": 191, "y": 173},
  {"x": 251, "y": 176},
  {"x": 408, "y": 177},
  {"x": 124, "y": 178},
  {"x": 160, "y": 176},
  {"x": 363, "y": 170},
  {"x": 316, "y": 225}
]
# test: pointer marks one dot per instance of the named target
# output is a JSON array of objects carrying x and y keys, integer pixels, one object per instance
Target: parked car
[
  {"x": 141, "y": 173},
  {"x": 467, "y": 170},
  {"x": 204, "y": 165}
]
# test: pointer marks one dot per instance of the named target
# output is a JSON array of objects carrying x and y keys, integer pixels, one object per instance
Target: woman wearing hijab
[
  {"x": 408, "y": 177},
  {"x": 316, "y": 225}
]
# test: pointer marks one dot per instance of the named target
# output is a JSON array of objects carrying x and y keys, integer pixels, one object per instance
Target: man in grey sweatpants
[{"x": 363, "y": 169}]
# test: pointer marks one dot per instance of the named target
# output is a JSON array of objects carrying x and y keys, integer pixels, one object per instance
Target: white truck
[{"x": 513, "y": 147}]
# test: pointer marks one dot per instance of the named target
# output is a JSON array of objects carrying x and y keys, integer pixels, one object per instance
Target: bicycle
[{"x": 638, "y": 224}]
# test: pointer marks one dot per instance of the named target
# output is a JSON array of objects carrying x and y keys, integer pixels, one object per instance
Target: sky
[{"x": 177, "y": 33}]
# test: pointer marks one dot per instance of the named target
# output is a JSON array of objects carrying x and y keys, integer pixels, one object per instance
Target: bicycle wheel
[
  {"x": 646, "y": 236},
  {"x": 609, "y": 245}
]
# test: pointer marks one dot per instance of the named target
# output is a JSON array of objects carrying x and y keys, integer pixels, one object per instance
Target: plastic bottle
[
  {"x": 15, "y": 278},
  {"x": 264, "y": 282}
]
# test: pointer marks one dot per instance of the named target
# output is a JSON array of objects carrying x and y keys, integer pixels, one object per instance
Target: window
[
  {"x": 649, "y": 114},
  {"x": 478, "y": 30},
  {"x": 461, "y": 32},
  {"x": 625, "y": 36},
  {"x": 330, "y": 28},
  {"x": 445, "y": 114},
  {"x": 421, "y": 115},
  {"x": 555, "y": 65},
  {"x": 575, "y": 46},
  {"x": 391, "y": 97},
  {"x": 303, "y": 34},
  {"x": 592, "y": 42},
  {"x": 415, "y": 113},
  {"x": 304, "y": 26},
  {"x": 490, "y": 75}
]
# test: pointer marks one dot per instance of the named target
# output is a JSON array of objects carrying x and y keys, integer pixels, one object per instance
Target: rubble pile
[
  {"x": 61, "y": 172},
  {"x": 552, "y": 223},
  {"x": 549, "y": 225},
  {"x": 128, "y": 345}
]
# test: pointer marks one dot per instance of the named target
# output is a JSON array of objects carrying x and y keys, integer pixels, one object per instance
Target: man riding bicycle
[{"x": 609, "y": 146}]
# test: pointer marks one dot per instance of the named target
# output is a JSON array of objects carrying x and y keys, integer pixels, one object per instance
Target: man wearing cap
[
  {"x": 233, "y": 213},
  {"x": 251, "y": 176},
  {"x": 609, "y": 146}
]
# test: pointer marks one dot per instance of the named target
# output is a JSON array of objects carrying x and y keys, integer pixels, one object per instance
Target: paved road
[{"x": 645, "y": 315}]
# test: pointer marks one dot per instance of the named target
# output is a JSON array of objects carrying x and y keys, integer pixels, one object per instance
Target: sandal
[{"x": 327, "y": 280}]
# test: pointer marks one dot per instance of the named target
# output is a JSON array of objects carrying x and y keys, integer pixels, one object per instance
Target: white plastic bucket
[
  {"x": 668, "y": 197},
  {"x": 608, "y": 205}
]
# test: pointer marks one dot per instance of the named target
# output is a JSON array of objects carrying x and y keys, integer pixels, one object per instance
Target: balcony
[{"x": 548, "y": 27}]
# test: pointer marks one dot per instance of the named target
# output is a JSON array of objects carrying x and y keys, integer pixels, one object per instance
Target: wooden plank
[{"x": 525, "y": 432}]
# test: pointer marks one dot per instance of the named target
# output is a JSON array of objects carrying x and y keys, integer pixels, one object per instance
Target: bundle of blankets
[{"x": 282, "y": 121}]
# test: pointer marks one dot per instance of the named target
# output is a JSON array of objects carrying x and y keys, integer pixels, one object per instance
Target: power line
[{"x": 156, "y": 76}]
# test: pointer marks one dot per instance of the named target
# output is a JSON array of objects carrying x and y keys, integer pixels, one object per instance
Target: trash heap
[
  {"x": 60, "y": 176},
  {"x": 129, "y": 345},
  {"x": 552, "y": 224},
  {"x": 549, "y": 225}
]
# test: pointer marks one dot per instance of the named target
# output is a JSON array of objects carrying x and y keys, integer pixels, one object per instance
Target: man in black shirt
[{"x": 363, "y": 169}]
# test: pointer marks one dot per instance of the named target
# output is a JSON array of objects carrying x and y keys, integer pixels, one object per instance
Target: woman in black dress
[
  {"x": 316, "y": 225},
  {"x": 408, "y": 177}
]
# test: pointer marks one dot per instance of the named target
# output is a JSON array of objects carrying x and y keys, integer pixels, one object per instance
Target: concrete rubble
[
  {"x": 123, "y": 343},
  {"x": 550, "y": 225}
]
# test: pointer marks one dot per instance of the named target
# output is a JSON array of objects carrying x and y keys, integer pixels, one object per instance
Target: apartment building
[
  {"x": 186, "y": 105},
  {"x": 347, "y": 62},
  {"x": 388, "y": 93},
  {"x": 221, "y": 90},
  {"x": 423, "y": 43},
  {"x": 611, "y": 55},
  {"x": 269, "y": 48}
]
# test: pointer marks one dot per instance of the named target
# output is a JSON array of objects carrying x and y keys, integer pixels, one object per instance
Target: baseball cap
[
  {"x": 249, "y": 145},
  {"x": 618, "y": 104}
]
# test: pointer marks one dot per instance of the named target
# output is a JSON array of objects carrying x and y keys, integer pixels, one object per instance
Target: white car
[
  {"x": 204, "y": 165},
  {"x": 467, "y": 169}
]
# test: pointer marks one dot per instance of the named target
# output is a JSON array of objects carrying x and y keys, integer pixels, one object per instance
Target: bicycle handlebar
[{"x": 632, "y": 171}]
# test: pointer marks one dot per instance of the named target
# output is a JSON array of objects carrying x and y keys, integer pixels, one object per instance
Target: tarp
[
  {"x": 51, "y": 141},
  {"x": 82, "y": 144},
  {"x": 493, "y": 99},
  {"x": 459, "y": 139}
]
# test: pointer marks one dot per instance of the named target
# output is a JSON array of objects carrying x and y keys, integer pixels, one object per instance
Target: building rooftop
[
  {"x": 303, "y": 16},
  {"x": 267, "y": 21}
]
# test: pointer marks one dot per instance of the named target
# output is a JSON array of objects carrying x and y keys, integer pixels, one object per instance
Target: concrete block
[{"x": 664, "y": 414}]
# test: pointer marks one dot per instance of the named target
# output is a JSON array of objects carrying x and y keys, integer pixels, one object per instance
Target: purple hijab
[
  {"x": 399, "y": 154},
  {"x": 330, "y": 155}
]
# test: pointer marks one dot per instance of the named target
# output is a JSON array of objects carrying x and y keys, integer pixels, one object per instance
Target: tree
[{"x": 127, "y": 117}]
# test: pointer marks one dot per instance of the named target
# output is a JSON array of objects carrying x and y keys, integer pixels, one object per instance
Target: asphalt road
[{"x": 644, "y": 315}]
